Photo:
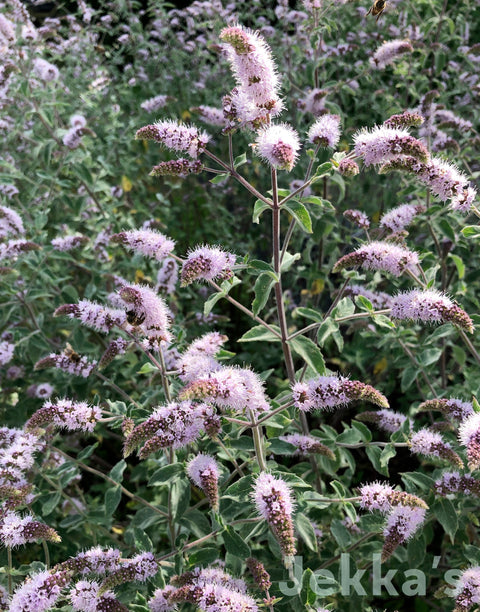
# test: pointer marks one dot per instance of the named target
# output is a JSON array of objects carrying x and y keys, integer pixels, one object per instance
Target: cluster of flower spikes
[
  {"x": 469, "y": 436},
  {"x": 388, "y": 52},
  {"x": 380, "y": 255},
  {"x": 17, "y": 456},
  {"x": 65, "y": 414},
  {"x": 68, "y": 361},
  {"x": 325, "y": 392},
  {"x": 229, "y": 387},
  {"x": 199, "y": 357},
  {"x": 467, "y": 591},
  {"x": 211, "y": 589},
  {"x": 149, "y": 312},
  {"x": 273, "y": 500},
  {"x": 405, "y": 513},
  {"x": 85, "y": 597},
  {"x": 431, "y": 444},
  {"x": 172, "y": 426},
  {"x": 16, "y": 530},
  {"x": 454, "y": 482},
  {"x": 399, "y": 217},
  {"x": 207, "y": 263}
]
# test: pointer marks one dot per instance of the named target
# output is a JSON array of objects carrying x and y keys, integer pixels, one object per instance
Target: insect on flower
[
  {"x": 135, "y": 319},
  {"x": 71, "y": 353},
  {"x": 377, "y": 9}
]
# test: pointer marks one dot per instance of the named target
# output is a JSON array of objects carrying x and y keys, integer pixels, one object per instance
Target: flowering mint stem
[
  {"x": 469, "y": 344},
  {"x": 357, "y": 315},
  {"x": 238, "y": 177},
  {"x": 163, "y": 370},
  {"x": 258, "y": 442},
  {"x": 9, "y": 570},
  {"x": 117, "y": 388},
  {"x": 230, "y": 456}
]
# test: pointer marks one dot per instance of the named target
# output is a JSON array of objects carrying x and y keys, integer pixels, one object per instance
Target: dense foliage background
[{"x": 92, "y": 182}]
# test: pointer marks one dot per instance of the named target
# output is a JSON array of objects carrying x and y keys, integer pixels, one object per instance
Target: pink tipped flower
[
  {"x": 10, "y": 222},
  {"x": 69, "y": 361},
  {"x": 380, "y": 256},
  {"x": 358, "y": 217},
  {"x": 211, "y": 115},
  {"x": 306, "y": 445},
  {"x": 13, "y": 248},
  {"x": 453, "y": 482},
  {"x": 85, "y": 598},
  {"x": 259, "y": 573},
  {"x": 208, "y": 263},
  {"x": 381, "y": 497},
  {"x": 116, "y": 347},
  {"x": 230, "y": 387},
  {"x": 388, "y": 52},
  {"x": 153, "y": 104},
  {"x": 325, "y": 132},
  {"x": 181, "y": 167},
  {"x": 68, "y": 243},
  {"x": 65, "y": 414},
  {"x": 15, "y": 530},
  {"x": 404, "y": 120},
  {"x": 273, "y": 499},
  {"x": 100, "y": 318},
  {"x": 199, "y": 358},
  {"x": 431, "y": 444},
  {"x": 400, "y": 217},
  {"x": 278, "y": 145},
  {"x": 402, "y": 523},
  {"x": 39, "y": 593},
  {"x": 44, "y": 70},
  {"x": 174, "y": 425},
  {"x": 383, "y": 144},
  {"x": 467, "y": 591},
  {"x": 137, "y": 569},
  {"x": 453, "y": 408},
  {"x": 147, "y": 242},
  {"x": 387, "y": 420},
  {"x": 93, "y": 561},
  {"x": 203, "y": 471},
  {"x": 256, "y": 95},
  {"x": 429, "y": 306},
  {"x": 148, "y": 311},
  {"x": 443, "y": 179},
  {"x": 469, "y": 436},
  {"x": 175, "y": 136},
  {"x": 6, "y": 352},
  {"x": 326, "y": 392},
  {"x": 160, "y": 600}
]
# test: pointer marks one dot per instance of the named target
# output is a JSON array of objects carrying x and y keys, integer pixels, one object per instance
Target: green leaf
[
  {"x": 258, "y": 209},
  {"x": 240, "y": 160},
  {"x": 262, "y": 289},
  {"x": 340, "y": 533},
  {"x": 86, "y": 452},
  {"x": 326, "y": 329},
  {"x": 226, "y": 286},
  {"x": 307, "y": 595},
  {"x": 309, "y": 313},
  {"x": 147, "y": 368},
  {"x": 164, "y": 474},
  {"x": 409, "y": 376},
  {"x": 309, "y": 352},
  {"x": 446, "y": 514},
  {"x": 204, "y": 556},
  {"x": 344, "y": 308},
  {"x": 387, "y": 453},
  {"x": 49, "y": 505},
  {"x": 471, "y": 231},
  {"x": 260, "y": 334},
  {"x": 365, "y": 433},
  {"x": 112, "y": 499},
  {"x": 288, "y": 261},
  {"x": 116, "y": 472},
  {"x": 429, "y": 356},
  {"x": 306, "y": 531},
  {"x": 364, "y": 302},
  {"x": 234, "y": 544},
  {"x": 459, "y": 265},
  {"x": 300, "y": 214},
  {"x": 219, "y": 178},
  {"x": 241, "y": 488},
  {"x": 418, "y": 479},
  {"x": 323, "y": 169},
  {"x": 179, "y": 497},
  {"x": 280, "y": 447},
  {"x": 243, "y": 443},
  {"x": 256, "y": 265},
  {"x": 374, "y": 453}
]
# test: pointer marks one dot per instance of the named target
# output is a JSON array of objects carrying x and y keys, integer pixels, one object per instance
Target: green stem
[{"x": 258, "y": 442}]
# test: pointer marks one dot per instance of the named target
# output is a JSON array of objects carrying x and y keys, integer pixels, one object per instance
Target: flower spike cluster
[
  {"x": 146, "y": 241},
  {"x": 278, "y": 145},
  {"x": 203, "y": 471},
  {"x": 174, "y": 136},
  {"x": 469, "y": 436},
  {"x": 327, "y": 392},
  {"x": 66, "y": 414},
  {"x": 150, "y": 313},
  {"x": 207, "y": 263},
  {"x": 467, "y": 592},
  {"x": 431, "y": 444},
  {"x": 453, "y": 482},
  {"x": 383, "y": 144},
  {"x": 400, "y": 217}
]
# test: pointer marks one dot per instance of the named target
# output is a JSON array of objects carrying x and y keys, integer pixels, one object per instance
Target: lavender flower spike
[
  {"x": 84, "y": 597},
  {"x": 278, "y": 145},
  {"x": 138, "y": 568},
  {"x": 381, "y": 497},
  {"x": 203, "y": 471},
  {"x": 327, "y": 392},
  {"x": 467, "y": 592},
  {"x": 16, "y": 530},
  {"x": 399, "y": 217},
  {"x": 100, "y": 318},
  {"x": 469, "y": 436},
  {"x": 380, "y": 256},
  {"x": 388, "y": 52},
  {"x": 453, "y": 482},
  {"x": 404, "y": 120},
  {"x": 388, "y": 420},
  {"x": 176, "y": 137},
  {"x": 149, "y": 309},
  {"x": 177, "y": 167},
  {"x": 402, "y": 523},
  {"x": 66, "y": 414},
  {"x": 273, "y": 499},
  {"x": 325, "y": 132},
  {"x": 147, "y": 242},
  {"x": 454, "y": 408},
  {"x": 430, "y": 306},
  {"x": 431, "y": 444},
  {"x": 383, "y": 144},
  {"x": 40, "y": 593},
  {"x": 207, "y": 263}
]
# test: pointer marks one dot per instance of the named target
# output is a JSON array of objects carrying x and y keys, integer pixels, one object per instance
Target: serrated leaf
[
  {"x": 300, "y": 214},
  {"x": 260, "y": 334},
  {"x": 309, "y": 352},
  {"x": 263, "y": 287}
]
